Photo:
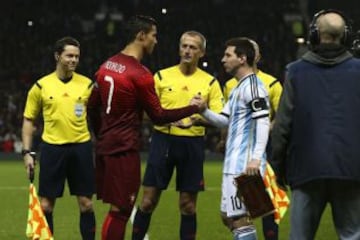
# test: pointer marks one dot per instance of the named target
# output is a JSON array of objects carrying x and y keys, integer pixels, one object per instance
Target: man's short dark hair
[
  {"x": 137, "y": 24},
  {"x": 61, "y": 43},
  {"x": 243, "y": 46}
]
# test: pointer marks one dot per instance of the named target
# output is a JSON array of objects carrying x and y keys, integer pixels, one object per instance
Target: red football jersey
[{"x": 123, "y": 89}]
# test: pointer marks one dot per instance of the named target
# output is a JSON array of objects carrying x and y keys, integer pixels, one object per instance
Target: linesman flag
[
  {"x": 37, "y": 227},
  {"x": 278, "y": 196}
]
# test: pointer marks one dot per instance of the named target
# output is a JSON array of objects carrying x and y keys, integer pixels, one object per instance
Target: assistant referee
[{"x": 66, "y": 150}]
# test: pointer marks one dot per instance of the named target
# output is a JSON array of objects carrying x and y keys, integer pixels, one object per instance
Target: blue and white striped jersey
[{"x": 247, "y": 103}]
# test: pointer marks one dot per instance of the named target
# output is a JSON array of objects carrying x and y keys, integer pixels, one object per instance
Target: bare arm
[{"x": 27, "y": 137}]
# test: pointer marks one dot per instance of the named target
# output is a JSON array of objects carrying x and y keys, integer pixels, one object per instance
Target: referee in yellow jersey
[
  {"x": 273, "y": 86},
  {"x": 66, "y": 150},
  {"x": 179, "y": 145}
]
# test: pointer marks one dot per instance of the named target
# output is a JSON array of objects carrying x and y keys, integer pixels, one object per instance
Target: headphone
[
  {"x": 355, "y": 48},
  {"x": 314, "y": 33}
]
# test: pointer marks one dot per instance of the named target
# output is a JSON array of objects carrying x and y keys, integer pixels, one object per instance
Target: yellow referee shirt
[
  {"x": 175, "y": 90},
  {"x": 63, "y": 107},
  {"x": 272, "y": 85}
]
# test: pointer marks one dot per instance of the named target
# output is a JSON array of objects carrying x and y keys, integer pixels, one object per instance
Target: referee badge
[{"x": 79, "y": 109}]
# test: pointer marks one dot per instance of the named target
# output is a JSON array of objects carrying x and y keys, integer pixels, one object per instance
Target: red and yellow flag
[
  {"x": 278, "y": 196},
  {"x": 37, "y": 226}
]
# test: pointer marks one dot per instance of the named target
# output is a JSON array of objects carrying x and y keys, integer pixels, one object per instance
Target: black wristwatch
[{"x": 25, "y": 151}]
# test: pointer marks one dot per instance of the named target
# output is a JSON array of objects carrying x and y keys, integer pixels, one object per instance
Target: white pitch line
[
  {"x": 13, "y": 188},
  {"x": 132, "y": 221}
]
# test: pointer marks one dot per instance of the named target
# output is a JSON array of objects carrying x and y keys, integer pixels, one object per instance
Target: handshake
[{"x": 199, "y": 101}]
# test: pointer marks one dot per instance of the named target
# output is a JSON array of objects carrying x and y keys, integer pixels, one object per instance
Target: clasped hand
[
  {"x": 197, "y": 100},
  {"x": 200, "y": 102}
]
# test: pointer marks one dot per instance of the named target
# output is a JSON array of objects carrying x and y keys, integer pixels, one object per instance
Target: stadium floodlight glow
[
  {"x": 30, "y": 23},
  {"x": 300, "y": 40},
  {"x": 164, "y": 11},
  {"x": 205, "y": 64}
]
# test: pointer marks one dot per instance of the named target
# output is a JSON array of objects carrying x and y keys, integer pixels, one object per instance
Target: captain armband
[
  {"x": 259, "y": 108},
  {"x": 258, "y": 104}
]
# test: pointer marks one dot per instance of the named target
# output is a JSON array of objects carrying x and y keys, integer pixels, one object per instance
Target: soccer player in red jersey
[{"x": 123, "y": 89}]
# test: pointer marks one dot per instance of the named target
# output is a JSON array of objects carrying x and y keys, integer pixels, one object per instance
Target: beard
[{"x": 233, "y": 71}]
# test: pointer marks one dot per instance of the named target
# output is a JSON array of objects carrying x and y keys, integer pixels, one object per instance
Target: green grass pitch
[{"x": 165, "y": 222}]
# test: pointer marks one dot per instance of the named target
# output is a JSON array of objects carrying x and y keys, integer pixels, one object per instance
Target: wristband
[{"x": 25, "y": 151}]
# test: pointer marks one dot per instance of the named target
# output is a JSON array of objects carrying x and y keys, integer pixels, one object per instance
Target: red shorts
[{"x": 118, "y": 179}]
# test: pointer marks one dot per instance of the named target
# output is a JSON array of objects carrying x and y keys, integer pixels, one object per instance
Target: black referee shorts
[
  {"x": 168, "y": 152},
  {"x": 71, "y": 162}
]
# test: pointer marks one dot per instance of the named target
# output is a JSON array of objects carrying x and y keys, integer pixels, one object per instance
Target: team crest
[{"x": 79, "y": 109}]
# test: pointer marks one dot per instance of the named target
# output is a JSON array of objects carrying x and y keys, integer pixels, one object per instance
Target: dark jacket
[{"x": 317, "y": 128}]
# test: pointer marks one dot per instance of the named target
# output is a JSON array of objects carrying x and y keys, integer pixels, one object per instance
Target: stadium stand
[{"x": 28, "y": 29}]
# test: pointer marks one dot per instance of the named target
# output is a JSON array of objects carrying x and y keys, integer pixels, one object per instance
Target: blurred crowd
[{"x": 27, "y": 37}]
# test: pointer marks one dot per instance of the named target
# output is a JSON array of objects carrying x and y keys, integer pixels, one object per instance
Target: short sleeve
[{"x": 33, "y": 102}]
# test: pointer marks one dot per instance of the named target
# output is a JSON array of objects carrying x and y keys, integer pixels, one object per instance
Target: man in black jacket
[{"x": 317, "y": 131}]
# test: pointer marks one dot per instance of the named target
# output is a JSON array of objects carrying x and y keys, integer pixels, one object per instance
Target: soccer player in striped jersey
[
  {"x": 179, "y": 145},
  {"x": 66, "y": 151},
  {"x": 273, "y": 85},
  {"x": 246, "y": 115},
  {"x": 124, "y": 89},
  {"x": 274, "y": 88}
]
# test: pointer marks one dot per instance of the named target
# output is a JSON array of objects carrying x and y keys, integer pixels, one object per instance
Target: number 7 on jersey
[{"x": 111, "y": 92}]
